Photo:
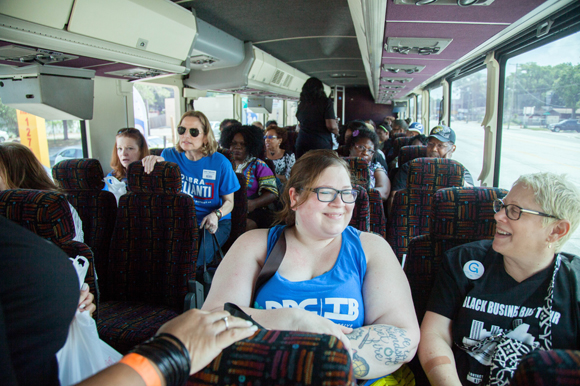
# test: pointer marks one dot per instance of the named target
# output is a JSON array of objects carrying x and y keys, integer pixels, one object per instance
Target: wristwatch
[{"x": 218, "y": 213}]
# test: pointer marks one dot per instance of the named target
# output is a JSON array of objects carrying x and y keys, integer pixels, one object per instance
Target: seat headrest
[
  {"x": 165, "y": 178},
  {"x": 79, "y": 174},
  {"x": 465, "y": 213},
  {"x": 359, "y": 171},
  {"x": 408, "y": 153},
  {"x": 45, "y": 213},
  {"x": 434, "y": 174}
]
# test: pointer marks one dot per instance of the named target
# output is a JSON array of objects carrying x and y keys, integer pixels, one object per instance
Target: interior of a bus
[{"x": 503, "y": 74}]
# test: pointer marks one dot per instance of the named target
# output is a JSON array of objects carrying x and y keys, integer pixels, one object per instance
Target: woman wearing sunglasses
[
  {"x": 274, "y": 140},
  {"x": 130, "y": 146},
  {"x": 206, "y": 175},
  {"x": 333, "y": 279},
  {"x": 495, "y": 300},
  {"x": 363, "y": 143}
]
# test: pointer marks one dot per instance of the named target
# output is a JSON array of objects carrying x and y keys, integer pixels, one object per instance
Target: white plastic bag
[
  {"x": 118, "y": 188},
  {"x": 84, "y": 353}
]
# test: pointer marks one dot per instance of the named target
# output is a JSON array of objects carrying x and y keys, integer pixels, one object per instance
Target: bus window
[
  {"x": 155, "y": 113},
  {"x": 216, "y": 107},
  {"x": 277, "y": 112},
  {"x": 411, "y": 102},
  {"x": 63, "y": 138},
  {"x": 419, "y": 108},
  {"x": 291, "y": 107},
  {"x": 467, "y": 111},
  {"x": 435, "y": 97},
  {"x": 540, "y": 115},
  {"x": 248, "y": 116}
]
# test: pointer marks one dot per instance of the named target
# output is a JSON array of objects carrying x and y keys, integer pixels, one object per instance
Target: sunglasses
[
  {"x": 270, "y": 137},
  {"x": 193, "y": 131}
]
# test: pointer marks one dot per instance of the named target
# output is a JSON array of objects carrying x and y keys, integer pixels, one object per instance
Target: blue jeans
[{"x": 207, "y": 247}]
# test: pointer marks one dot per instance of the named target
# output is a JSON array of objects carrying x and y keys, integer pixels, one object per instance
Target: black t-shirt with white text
[{"x": 495, "y": 302}]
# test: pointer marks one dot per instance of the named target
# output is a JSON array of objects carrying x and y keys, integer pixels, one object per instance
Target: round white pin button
[{"x": 473, "y": 269}]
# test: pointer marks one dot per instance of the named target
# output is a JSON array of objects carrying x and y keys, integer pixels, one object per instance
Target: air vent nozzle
[{"x": 417, "y": 46}]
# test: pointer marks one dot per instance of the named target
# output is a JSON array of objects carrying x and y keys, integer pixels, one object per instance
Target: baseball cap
[
  {"x": 443, "y": 133},
  {"x": 417, "y": 127},
  {"x": 383, "y": 127}
]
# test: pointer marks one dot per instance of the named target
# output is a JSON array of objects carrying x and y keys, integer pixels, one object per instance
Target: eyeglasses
[
  {"x": 363, "y": 149},
  {"x": 440, "y": 145},
  {"x": 348, "y": 196},
  {"x": 270, "y": 137},
  {"x": 514, "y": 212},
  {"x": 127, "y": 130},
  {"x": 192, "y": 131}
]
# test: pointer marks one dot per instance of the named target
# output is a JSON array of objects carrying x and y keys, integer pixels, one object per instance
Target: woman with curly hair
[
  {"x": 317, "y": 118},
  {"x": 246, "y": 144},
  {"x": 364, "y": 143}
]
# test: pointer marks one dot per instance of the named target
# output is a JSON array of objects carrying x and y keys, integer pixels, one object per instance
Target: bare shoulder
[
  {"x": 251, "y": 244},
  {"x": 376, "y": 248}
]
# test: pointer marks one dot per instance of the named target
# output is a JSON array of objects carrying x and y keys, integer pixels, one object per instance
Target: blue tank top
[{"x": 335, "y": 295}]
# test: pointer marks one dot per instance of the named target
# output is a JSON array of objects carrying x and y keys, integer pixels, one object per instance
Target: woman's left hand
[
  {"x": 210, "y": 222},
  {"x": 86, "y": 300}
]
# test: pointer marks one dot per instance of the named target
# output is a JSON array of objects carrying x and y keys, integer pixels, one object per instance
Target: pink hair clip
[{"x": 355, "y": 133}]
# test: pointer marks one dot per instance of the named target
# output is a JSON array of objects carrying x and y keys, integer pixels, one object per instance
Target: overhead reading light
[
  {"x": 343, "y": 75},
  {"x": 202, "y": 60},
  {"x": 407, "y": 68},
  {"x": 138, "y": 73},
  {"x": 391, "y": 87},
  {"x": 396, "y": 80},
  {"x": 462, "y": 3},
  {"x": 14, "y": 53},
  {"x": 420, "y": 46}
]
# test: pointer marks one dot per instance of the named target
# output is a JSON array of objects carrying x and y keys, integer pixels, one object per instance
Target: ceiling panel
[
  {"x": 469, "y": 27},
  {"x": 500, "y": 11}
]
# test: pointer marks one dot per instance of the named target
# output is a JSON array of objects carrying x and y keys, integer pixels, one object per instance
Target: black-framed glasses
[
  {"x": 270, "y": 137},
  {"x": 514, "y": 212},
  {"x": 363, "y": 149},
  {"x": 348, "y": 196},
  {"x": 192, "y": 131},
  {"x": 128, "y": 130}
]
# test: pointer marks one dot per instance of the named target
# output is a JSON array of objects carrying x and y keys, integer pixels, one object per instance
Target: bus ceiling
[{"x": 265, "y": 48}]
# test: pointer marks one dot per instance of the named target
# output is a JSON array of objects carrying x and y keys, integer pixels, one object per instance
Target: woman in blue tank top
[{"x": 333, "y": 279}]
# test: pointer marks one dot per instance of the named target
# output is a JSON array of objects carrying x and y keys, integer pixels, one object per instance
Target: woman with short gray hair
[{"x": 496, "y": 300}]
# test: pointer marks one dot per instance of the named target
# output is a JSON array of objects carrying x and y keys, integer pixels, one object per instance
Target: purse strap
[
  {"x": 219, "y": 249},
  {"x": 271, "y": 265}
]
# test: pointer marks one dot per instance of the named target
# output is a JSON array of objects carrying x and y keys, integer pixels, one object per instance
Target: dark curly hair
[
  {"x": 352, "y": 125},
  {"x": 253, "y": 138},
  {"x": 312, "y": 96},
  {"x": 419, "y": 137},
  {"x": 228, "y": 122},
  {"x": 363, "y": 132}
]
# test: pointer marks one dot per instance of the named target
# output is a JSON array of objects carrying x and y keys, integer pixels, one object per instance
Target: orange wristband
[{"x": 142, "y": 366}]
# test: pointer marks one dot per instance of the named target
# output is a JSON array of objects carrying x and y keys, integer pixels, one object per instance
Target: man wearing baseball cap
[
  {"x": 441, "y": 145},
  {"x": 415, "y": 128}
]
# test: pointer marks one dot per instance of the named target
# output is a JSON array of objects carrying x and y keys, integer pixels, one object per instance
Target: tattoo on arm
[
  {"x": 359, "y": 365},
  {"x": 390, "y": 344},
  {"x": 355, "y": 334}
]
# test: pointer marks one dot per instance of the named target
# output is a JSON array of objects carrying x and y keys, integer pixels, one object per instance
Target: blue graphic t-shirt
[
  {"x": 205, "y": 180},
  {"x": 335, "y": 295}
]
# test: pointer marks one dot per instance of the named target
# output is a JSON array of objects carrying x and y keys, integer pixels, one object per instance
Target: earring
[{"x": 549, "y": 245}]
